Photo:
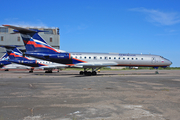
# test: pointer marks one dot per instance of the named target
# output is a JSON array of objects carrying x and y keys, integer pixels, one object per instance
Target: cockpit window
[{"x": 164, "y": 58}]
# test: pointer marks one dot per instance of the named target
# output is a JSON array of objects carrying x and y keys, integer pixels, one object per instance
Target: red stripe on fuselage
[
  {"x": 42, "y": 64},
  {"x": 18, "y": 56},
  {"x": 69, "y": 56},
  {"x": 15, "y": 55},
  {"x": 70, "y": 64},
  {"x": 79, "y": 60}
]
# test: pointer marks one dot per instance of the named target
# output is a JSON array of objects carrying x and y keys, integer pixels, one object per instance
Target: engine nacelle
[
  {"x": 2, "y": 63},
  {"x": 47, "y": 56},
  {"x": 32, "y": 63}
]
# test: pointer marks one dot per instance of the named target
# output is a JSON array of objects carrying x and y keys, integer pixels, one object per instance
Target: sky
[{"x": 115, "y": 26}]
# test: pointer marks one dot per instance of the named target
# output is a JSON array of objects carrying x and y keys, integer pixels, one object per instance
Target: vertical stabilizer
[{"x": 33, "y": 41}]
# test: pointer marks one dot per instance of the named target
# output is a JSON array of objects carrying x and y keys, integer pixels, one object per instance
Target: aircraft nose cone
[{"x": 169, "y": 62}]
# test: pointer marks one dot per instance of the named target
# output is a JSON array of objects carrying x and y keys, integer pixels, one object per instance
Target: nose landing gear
[{"x": 88, "y": 73}]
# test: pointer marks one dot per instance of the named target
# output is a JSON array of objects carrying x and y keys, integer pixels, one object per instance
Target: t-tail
[
  {"x": 16, "y": 56},
  {"x": 37, "y": 47},
  {"x": 33, "y": 41}
]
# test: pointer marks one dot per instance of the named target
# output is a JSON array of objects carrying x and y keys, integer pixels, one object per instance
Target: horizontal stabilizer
[
  {"x": 11, "y": 46},
  {"x": 23, "y": 30},
  {"x": 96, "y": 64}
]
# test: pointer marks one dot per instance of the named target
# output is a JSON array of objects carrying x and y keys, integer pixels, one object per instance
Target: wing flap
[
  {"x": 52, "y": 67},
  {"x": 97, "y": 64}
]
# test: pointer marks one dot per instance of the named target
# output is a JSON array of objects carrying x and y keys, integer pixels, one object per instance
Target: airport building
[{"x": 52, "y": 37}]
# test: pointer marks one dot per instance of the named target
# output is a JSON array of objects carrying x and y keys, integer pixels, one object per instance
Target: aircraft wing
[
  {"x": 52, "y": 67},
  {"x": 15, "y": 66},
  {"x": 96, "y": 64}
]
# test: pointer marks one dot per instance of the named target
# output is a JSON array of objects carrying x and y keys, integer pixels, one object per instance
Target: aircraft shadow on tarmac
[{"x": 99, "y": 74}]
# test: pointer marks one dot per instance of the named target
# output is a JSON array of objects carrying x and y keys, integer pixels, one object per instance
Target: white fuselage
[{"x": 118, "y": 59}]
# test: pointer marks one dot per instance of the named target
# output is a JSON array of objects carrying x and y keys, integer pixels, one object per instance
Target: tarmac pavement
[{"x": 110, "y": 95}]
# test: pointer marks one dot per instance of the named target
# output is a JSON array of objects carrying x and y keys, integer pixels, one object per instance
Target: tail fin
[
  {"x": 33, "y": 41},
  {"x": 16, "y": 56},
  {"x": 5, "y": 59},
  {"x": 13, "y": 52}
]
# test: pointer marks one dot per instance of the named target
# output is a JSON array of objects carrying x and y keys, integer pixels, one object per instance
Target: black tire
[
  {"x": 85, "y": 72},
  {"x": 81, "y": 72},
  {"x": 94, "y": 73},
  {"x": 88, "y": 74}
]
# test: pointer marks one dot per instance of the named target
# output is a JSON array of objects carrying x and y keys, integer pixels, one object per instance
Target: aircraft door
[{"x": 153, "y": 60}]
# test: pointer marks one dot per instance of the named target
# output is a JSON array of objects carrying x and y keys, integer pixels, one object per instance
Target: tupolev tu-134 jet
[{"x": 38, "y": 48}]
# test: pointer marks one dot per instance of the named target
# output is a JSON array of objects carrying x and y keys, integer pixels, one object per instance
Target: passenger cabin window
[
  {"x": 123, "y": 58},
  {"x": 89, "y": 57},
  {"x": 132, "y": 58},
  {"x": 114, "y": 57},
  {"x": 136, "y": 58},
  {"x": 84, "y": 57},
  {"x": 95, "y": 57},
  {"x": 100, "y": 57},
  {"x": 80, "y": 57},
  {"x": 128, "y": 58},
  {"x": 119, "y": 58},
  {"x": 105, "y": 58},
  {"x": 109, "y": 57},
  {"x": 141, "y": 58}
]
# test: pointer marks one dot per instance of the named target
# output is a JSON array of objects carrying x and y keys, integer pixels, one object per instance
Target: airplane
[
  {"x": 5, "y": 64},
  {"x": 37, "y": 47},
  {"x": 16, "y": 56}
]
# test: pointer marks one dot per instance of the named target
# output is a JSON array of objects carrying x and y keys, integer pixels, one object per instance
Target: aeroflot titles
[
  {"x": 118, "y": 54},
  {"x": 127, "y": 55}
]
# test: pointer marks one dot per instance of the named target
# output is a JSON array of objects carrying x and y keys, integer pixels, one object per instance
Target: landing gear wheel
[
  {"x": 94, "y": 73},
  {"x": 31, "y": 71},
  {"x": 88, "y": 73},
  {"x": 85, "y": 72},
  {"x": 49, "y": 71},
  {"x": 81, "y": 72}
]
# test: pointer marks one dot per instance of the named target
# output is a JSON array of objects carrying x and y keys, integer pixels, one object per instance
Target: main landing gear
[
  {"x": 88, "y": 73},
  {"x": 48, "y": 71},
  {"x": 31, "y": 70}
]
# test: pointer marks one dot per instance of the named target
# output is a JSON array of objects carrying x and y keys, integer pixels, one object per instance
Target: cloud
[{"x": 156, "y": 16}]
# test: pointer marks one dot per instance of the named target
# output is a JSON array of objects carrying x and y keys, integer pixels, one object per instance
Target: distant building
[{"x": 52, "y": 37}]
